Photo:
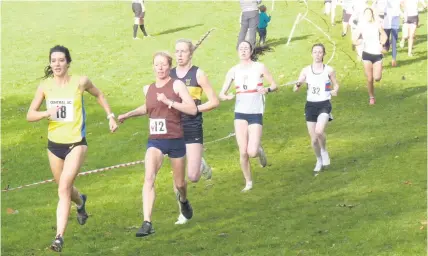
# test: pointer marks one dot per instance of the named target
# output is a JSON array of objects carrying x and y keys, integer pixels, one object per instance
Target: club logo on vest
[{"x": 188, "y": 82}]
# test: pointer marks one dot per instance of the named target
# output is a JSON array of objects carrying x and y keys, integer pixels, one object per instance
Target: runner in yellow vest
[{"x": 67, "y": 144}]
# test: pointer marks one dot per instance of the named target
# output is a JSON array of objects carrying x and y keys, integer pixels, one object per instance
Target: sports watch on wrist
[{"x": 110, "y": 116}]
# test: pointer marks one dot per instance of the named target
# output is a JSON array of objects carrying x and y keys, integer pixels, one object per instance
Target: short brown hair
[{"x": 164, "y": 54}]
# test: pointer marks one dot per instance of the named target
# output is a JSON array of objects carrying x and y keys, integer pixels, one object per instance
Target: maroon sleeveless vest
[{"x": 164, "y": 122}]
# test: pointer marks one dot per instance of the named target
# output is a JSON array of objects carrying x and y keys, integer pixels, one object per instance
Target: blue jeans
[
  {"x": 262, "y": 34},
  {"x": 393, "y": 41}
]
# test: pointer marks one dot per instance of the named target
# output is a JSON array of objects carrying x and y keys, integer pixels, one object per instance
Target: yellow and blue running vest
[
  {"x": 191, "y": 82},
  {"x": 68, "y": 125}
]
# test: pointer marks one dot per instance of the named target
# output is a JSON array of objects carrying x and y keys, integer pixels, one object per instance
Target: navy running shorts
[
  {"x": 250, "y": 118},
  {"x": 174, "y": 148}
]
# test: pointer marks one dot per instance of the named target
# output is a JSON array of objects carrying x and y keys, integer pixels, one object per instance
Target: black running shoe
[
  {"x": 57, "y": 244},
  {"x": 185, "y": 208},
  {"x": 145, "y": 230},
  {"x": 343, "y": 34},
  {"x": 82, "y": 216}
]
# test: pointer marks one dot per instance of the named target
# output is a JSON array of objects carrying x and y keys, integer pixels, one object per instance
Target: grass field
[{"x": 371, "y": 201}]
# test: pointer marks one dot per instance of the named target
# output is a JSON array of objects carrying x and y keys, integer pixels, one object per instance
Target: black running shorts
[
  {"x": 62, "y": 150},
  {"x": 412, "y": 20},
  {"x": 373, "y": 58},
  {"x": 192, "y": 128},
  {"x": 314, "y": 109}
]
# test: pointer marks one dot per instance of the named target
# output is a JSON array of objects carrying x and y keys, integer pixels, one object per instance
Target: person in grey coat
[{"x": 249, "y": 21}]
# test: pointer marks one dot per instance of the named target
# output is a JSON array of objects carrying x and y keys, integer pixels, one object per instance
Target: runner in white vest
[
  {"x": 249, "y": 107},
  {"x": 322, "y": 84}
]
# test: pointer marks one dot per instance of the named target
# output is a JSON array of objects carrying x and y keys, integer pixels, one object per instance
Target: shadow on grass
[
  {"x": 419, "y": 39},
  {"x": 272, "y": 43},
  {"x": 411, "y": 91},
  {"x": 401, "y": 63},
  {"x": 170, "y": 31}
]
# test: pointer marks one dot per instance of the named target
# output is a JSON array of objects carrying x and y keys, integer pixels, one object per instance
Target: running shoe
[
  {"x": 325, "y": 158},
  {"x": 181, "y": 220},
  {"x": 145, "y": 230},
  {"x": 248, "y": 187},
  {"x": 185, "y": 208},
  {"x": 318, "y": 165},
  {"x": 82, "y": 216},
  {"x": 206, "y": 169},
  {"x": 57, "y": 244},
  {"x": 262, "y": 157}
]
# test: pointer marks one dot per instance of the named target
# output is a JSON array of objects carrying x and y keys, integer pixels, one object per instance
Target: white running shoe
[
  {"x": 248, "y": 187},
  {"x": 181, "y": 220},
  {"x": 325, "y": 158},
  {"x": 318, "y": 165}
]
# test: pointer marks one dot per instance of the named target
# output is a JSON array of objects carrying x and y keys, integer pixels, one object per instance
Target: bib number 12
[{"x": 157, "y": 126}]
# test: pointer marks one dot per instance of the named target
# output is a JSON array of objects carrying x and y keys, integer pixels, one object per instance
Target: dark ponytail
[
  {"x": 48, "y": 72},
  {"x": 56, "y": 48}
]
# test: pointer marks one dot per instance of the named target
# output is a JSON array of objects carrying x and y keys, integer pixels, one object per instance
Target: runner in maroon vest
[{"x": 166, "y": 99}]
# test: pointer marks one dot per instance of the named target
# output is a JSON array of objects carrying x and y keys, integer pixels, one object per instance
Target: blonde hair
[
  {"x": 164, "y": 54},
  {"x": 188, "y": 42}
]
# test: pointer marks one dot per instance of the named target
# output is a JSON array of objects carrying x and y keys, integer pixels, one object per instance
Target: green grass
[{"x": 374, "y": 149}]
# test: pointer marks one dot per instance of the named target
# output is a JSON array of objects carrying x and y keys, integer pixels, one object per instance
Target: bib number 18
[
  {"x": 65, "y": 111},
  {"x": 62, "y": 113}
]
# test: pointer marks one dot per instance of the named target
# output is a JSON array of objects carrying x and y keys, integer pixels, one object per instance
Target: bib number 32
[
  {"x": 157, "y": 126},
  {"x": 316, "y": 90}
]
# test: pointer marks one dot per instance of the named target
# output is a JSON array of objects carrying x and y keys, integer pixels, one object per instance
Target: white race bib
[
  {"x": 157, "y": 126},
  {"x": 65, "y": 112}
]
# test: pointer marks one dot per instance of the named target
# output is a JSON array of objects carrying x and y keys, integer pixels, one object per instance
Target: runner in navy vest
[
  {"x": 166, "y": 99},
  {"x": 197, "y": 82}
]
